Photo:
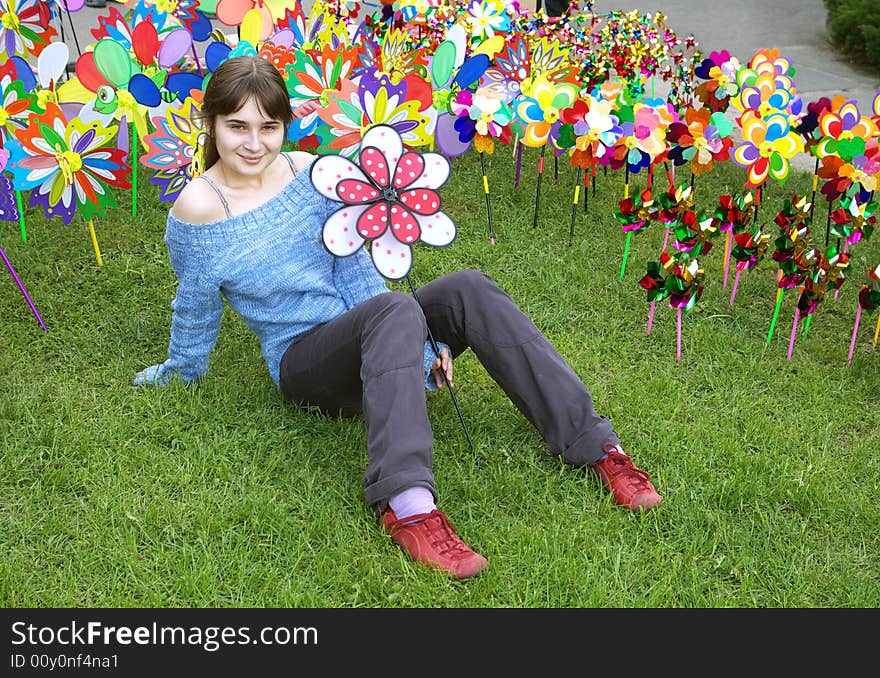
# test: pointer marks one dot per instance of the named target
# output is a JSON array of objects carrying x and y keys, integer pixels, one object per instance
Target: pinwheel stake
[
  {"x": 133, "y": 141},
  {"x": 517, "y": 151},
  {"x": 538, "y": 190},
  {"x": 20, "y": 216},
  {"x": 815, "y": 186},
  {"x": 574, "y": 205},
  {"x": 94, "y": 238},
  {"x": 436, "y": 350},
  {"x": 22, "y": 289},
  {"x": 488, "y": 199},
  {"x": 389, "y": 197}
]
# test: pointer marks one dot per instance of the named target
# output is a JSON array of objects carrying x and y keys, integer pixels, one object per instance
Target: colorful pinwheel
[
  {"x": 767, "y": 147},
  {"x": 389, "y": 198},
  {"x": 174, "y": 148},
  {"x": 67, "y": 164},
  {"x": 24, "y": 28}
]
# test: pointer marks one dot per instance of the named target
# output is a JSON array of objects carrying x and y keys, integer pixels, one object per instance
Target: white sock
[{"x": 412, "y": 501}]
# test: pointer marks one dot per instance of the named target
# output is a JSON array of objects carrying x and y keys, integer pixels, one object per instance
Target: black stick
[
  {"x": 538, "y": 190},
  {"x": 828, "y": 223},
  {"x": 586, "y": 190},
  {"x": 815, "y": 184},
  {"x": 574, "y": 205},
  {"x": 442, "y": 371},
  {"x": 488, "y": 201}
]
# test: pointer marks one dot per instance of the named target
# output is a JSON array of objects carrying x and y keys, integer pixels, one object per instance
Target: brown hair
[{"x": 234, "y": 82}]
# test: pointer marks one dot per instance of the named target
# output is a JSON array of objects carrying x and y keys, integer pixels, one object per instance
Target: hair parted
[{"x": 234, "y": 82}]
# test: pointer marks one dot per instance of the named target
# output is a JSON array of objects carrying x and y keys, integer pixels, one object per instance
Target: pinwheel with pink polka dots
[{"x": 389, "y": 197}]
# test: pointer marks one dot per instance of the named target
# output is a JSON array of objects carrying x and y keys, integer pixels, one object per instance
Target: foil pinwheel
[{"x": 389, "y": 198}]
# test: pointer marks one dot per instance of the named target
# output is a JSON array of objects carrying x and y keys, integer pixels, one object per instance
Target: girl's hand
[{"x": 444, "y": 363}]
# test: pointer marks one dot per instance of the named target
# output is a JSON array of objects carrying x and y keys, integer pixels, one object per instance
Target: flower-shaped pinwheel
[
  {"x": 719, "y": 72},
  {"x": 14, "y": 102},
  {"x": 857, "y": 178},
  {"x": 485, "y": 18},
  {"x": 845, "y": 131},
  {"x": 173, "y": 148},
  {"x": 68, "y": 164},
  {"x": 309, "y": 78},
  {"x": 481, "y": 118},
  {"x": 703, "y": 139},
  {"x": 24, "y": 28},
  {"x": 375, "y": 100},
  {"x": 539, "y": 111},
  {"x": 768, "y": 145},
  {"x": 595, "y": 129},
  {"x": 853, "y": 220},
  {"x": 389, "y": 198}
]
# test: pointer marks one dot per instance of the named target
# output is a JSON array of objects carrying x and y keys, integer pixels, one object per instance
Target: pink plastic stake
[
  {"x": 23, "y": 290},
  {"x": 797, "y": 314},
  {"x": 665, "y": 238},
  {"x": 727, "y": 258},
  {"x": 678, "y": 338},
  {"x": 852, "y": 342},
  {"x": 650, "y": 317},
  {"x": 735, "y": 285}
]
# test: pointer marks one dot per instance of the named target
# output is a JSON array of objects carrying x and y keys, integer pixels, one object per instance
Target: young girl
[{"x": 334, "y": 336}]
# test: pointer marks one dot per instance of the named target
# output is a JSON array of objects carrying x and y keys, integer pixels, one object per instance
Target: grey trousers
[{"x": 369, "y": 361}]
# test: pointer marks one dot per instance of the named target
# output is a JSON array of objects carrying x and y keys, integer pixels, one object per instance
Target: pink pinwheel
[{"x": 389, "y": 198}]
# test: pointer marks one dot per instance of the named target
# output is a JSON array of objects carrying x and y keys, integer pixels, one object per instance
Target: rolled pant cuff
[
  {"x": 589, "y": 447},
  {"x": 377, "y": 494}
]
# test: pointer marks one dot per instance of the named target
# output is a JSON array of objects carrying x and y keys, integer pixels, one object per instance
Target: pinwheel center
[
  {"x": 167, "y": 6},
  {"x": 858, "y": 176},
  {"x": 44, "y": 96},
  {"x": 125, "y": 100},
  {"x": 551, "y": 115},
  {"x": 441, "y": 99},
  {"x": 10, "y": 21},
  {"x": 69, "y": 162},
  {"x": 4, "y": 116},
  {"x": 701, "y": 143},
  {"x": 594, "y": 134},
  {"x": 846, "y": 135},
  {"x": 389, "y": 194},
  {"x": 765, "y": 149}
]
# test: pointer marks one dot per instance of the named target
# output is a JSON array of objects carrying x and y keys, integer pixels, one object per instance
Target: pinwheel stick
[
  {"x": 876, "y": 332},
  {"x": 442, "y": 371},
  {"x": 18, "y": 202},
  {"x": 779, "y": 293},
  {"x": 828, "y": 223},
  {"x": 678, "y": 336},
  {"x": 22, "y": 290},
  {"x": 134, "y": 172},
  {"x": 806, "y": 327},
  {"x": 538, "y": 190},
  {"x": 735, "y": 285},
  {"x": 94, "y": 238},
  {"x": 727, "y": 245},
  {"x": 574, "y": 205},
  {"x": 797, "y": 315},
  {"x": 587, "y": 187},
  {"x": 518, "y": 151},
  {"x": 488, "y": 200},
  {"x": 815, "y": 186},
  {"x": 625, "y": 254},
  {"x": 852, "y": 342},
  {"x": 650, "y": 317}
]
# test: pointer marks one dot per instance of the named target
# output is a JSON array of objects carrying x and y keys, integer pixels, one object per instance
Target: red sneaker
[
  {"x": 629, "y": 485},
  {"x": 430, "y": 539}
]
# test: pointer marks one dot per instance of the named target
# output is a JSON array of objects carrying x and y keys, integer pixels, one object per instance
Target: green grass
[{"x": 221, "y": 494}]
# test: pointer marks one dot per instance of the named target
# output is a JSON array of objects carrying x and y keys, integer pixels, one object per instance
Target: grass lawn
[{"x": 222, "y": 495}]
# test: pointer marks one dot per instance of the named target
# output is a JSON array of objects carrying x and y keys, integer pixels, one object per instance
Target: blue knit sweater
[{"x": 272, "y": 267}]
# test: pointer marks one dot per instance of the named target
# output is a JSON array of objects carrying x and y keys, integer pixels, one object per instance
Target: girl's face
[{"x": 247, "y": 141}]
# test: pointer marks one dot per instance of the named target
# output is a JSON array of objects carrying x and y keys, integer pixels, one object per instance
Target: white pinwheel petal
[
  {"x": 328, "y": 170},
  {"x": 435, "y": 174},
  {"x": 392, "y": 258},
  {"x": 388, "y": 141},
  {"x": 438, "y": 230},
  {"x": 340, "y": 235}
]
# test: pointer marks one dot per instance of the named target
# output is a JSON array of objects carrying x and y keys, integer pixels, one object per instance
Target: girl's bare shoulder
[{"x": 198, "y": 203}]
